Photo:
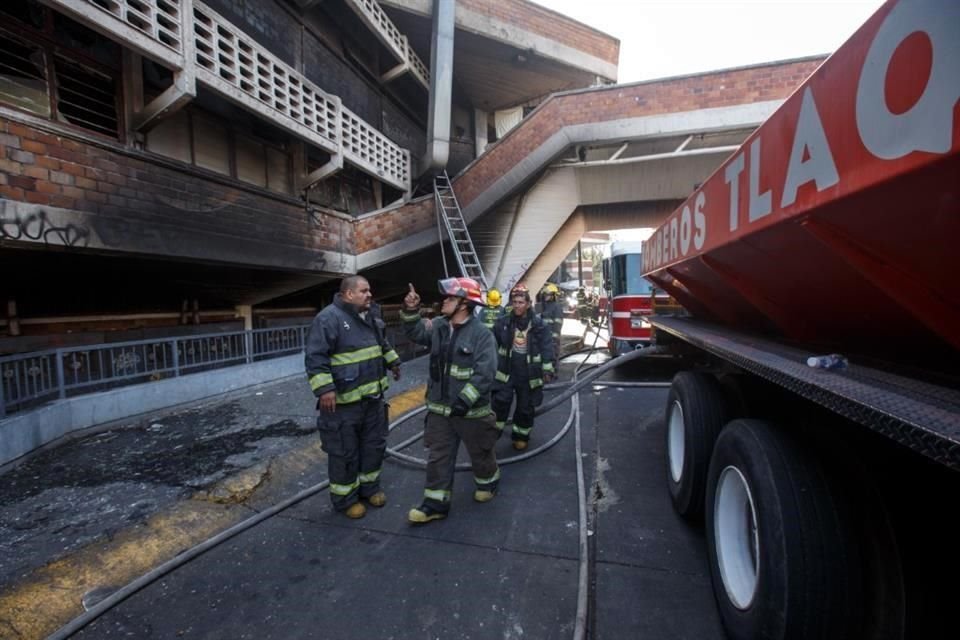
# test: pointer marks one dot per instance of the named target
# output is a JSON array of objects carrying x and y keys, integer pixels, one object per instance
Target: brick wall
[
  {"x": 105, "y": 197},
  {"x": 542, "y": 21},
  {"x": 720, "y": 89},
  {"x": 389, "y": 226}
]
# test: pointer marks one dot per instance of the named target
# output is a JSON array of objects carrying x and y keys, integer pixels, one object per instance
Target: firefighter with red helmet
[
  {"x": 524, "y": 362},
  {"x": 463, "y": 361}
]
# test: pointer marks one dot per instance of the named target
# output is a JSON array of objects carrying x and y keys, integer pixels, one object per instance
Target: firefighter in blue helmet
[
  {"x": 524, "y": 363},
  {"x": 463, "y": 360},
  {"x": 347, "y": 357}
]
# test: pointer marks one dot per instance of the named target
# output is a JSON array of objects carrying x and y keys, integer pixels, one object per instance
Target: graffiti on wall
[
  {"x": 515, "y": 278},
  {"x": 36, "y": 226}
]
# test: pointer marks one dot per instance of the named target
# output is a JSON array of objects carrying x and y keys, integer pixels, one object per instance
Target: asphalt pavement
[{"x": 82, "y": 519}]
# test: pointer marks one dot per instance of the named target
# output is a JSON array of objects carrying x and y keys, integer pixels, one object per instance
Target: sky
[{"x": 662, "y": 38}]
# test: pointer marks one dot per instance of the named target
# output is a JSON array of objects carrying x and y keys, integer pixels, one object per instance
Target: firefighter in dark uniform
[
  {"x": 552, "y": 314},
  {"x": 490, "y": 312},
  {"x": 463, "y": 360},
  {"x": 524, "y": 363},
  {"x": 347, "y": 356},
  {"x": 583, "y": 314}
]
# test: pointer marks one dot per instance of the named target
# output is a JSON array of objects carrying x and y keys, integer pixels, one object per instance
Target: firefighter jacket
[
  {"x": 553, "y": 316},
  {"x": 347, "y": 353},
  {"x": 539, "y": 349},
  {"x": 489, "y": 315},
  {"x": 463, "y": 361}
]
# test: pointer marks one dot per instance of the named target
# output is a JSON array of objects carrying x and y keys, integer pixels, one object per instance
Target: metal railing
[
  {"x": 379, "y": 22},
  {"x": 31, "y": 379}
]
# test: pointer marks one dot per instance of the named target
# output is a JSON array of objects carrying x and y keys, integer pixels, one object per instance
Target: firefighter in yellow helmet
[{"x": 490, "y": 312}]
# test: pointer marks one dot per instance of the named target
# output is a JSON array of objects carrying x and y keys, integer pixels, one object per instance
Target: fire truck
[
  {"x": 629, "y": 299},
  {"x": 628, "y": 306},
  {"x": 815, "y": 430}
]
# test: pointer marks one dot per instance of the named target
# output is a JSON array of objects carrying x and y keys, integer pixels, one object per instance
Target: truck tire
[
  {"x": 694, "y": 415},
  {"x": 782, "y": 559}
]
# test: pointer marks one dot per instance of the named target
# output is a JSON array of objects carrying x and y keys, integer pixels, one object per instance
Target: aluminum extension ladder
[{"x": 448, "y": 209}]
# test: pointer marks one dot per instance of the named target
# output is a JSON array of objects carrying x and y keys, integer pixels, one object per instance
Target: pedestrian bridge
[{"x": 603, "y": 158}]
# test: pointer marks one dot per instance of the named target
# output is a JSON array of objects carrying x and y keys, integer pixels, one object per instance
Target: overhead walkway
[{"x": 616, "y": 156}]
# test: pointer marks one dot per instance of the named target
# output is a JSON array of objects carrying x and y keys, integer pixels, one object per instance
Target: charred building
[{"x": 176, "y": 166}]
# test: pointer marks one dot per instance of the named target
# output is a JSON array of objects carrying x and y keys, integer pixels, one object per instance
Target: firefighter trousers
[
  {"x": 442, "y": 436},
  {"x": 354, "y": 437},
  {"x": 527, "y": 401}
]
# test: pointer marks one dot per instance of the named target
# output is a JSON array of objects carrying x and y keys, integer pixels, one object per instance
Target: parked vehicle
[
  {"x": 829, "y": 238},
  {"x": 629, "y": 298}
]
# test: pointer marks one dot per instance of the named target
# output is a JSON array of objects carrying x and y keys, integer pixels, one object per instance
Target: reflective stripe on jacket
[
  {"x": 347, "y": 353},
  {"x": 463, "y": 361},
  {"x": 489, "y": 315},
  {"x": 553, "y": 316},
  {"x": 539, "y": 349}
]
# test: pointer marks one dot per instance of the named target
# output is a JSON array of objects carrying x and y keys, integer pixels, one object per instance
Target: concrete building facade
[{"x": 180, "y": 166}]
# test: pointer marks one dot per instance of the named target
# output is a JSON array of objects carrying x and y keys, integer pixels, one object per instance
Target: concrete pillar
[
  {"x": 441, "y": 86},
  {"x": 13, "y": 321},
  {"x": 245, "y": 311},
  {"x": 480, "y": 131}
]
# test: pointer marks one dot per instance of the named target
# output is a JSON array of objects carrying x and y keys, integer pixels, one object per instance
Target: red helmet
[
  {"x": 466, "y": 288},
  {"x": 521, "y": 290}
]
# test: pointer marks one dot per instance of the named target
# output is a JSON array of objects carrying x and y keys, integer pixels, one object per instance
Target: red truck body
[
  {"x": 832, "y": 229},
  {"x": 837, "y": 221}
]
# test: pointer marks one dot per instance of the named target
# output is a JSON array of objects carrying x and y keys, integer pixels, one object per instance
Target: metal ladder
[{"x": 448, "y": 209}]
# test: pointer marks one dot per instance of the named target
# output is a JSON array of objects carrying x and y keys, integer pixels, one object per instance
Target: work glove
[{"x": 459, "y": 408}]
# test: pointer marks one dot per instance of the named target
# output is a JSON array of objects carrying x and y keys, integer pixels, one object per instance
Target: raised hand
[{"x": 412, "y": 299}]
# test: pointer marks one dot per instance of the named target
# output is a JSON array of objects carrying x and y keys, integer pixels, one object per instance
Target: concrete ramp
[{"x": 647, "y": 142}]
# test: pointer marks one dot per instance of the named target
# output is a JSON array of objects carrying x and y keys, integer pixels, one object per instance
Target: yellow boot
[
  {"x": 424, "y": 514},
  {"x": 378, "y": 499},
  {"x": 355, "y": 511}
]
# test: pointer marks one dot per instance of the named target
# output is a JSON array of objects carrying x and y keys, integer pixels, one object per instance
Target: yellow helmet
[
  {"x": 551, "y": 288},
  {"x": 493, "y": 297}
]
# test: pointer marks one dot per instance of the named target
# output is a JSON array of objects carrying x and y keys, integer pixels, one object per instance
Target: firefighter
[
  {"x": 463, "y": 361},
  {"x": 582, "y": 311},
  {"x": 552, "y": 314},
  {"x": 490, "y": 312},
  {"x": 347, "y": 355},
  {"x": 524, "y": 362}
]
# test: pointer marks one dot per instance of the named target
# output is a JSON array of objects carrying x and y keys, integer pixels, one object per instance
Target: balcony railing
[
  {"x": 29, "y": 380},
  {"x": 372, "y": 151},
  {"x": 379, "y": 22},
  {"x": 232, "y": 64},
  {"x": 154, "y": 28}
]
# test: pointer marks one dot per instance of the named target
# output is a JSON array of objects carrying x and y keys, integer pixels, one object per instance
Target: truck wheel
[
  {"x": 781, "y": 558},
  {"x": 694, "y": 415}
]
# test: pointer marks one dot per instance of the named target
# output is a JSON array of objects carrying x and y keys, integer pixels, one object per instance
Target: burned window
[
  {"x": 54, "y": 67},
  {"x": 349, "y": 190},
  {"x": 23, "y": 78},
  {"x": 85, "y": 97},
  {"x": 28, "y": 12}
]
